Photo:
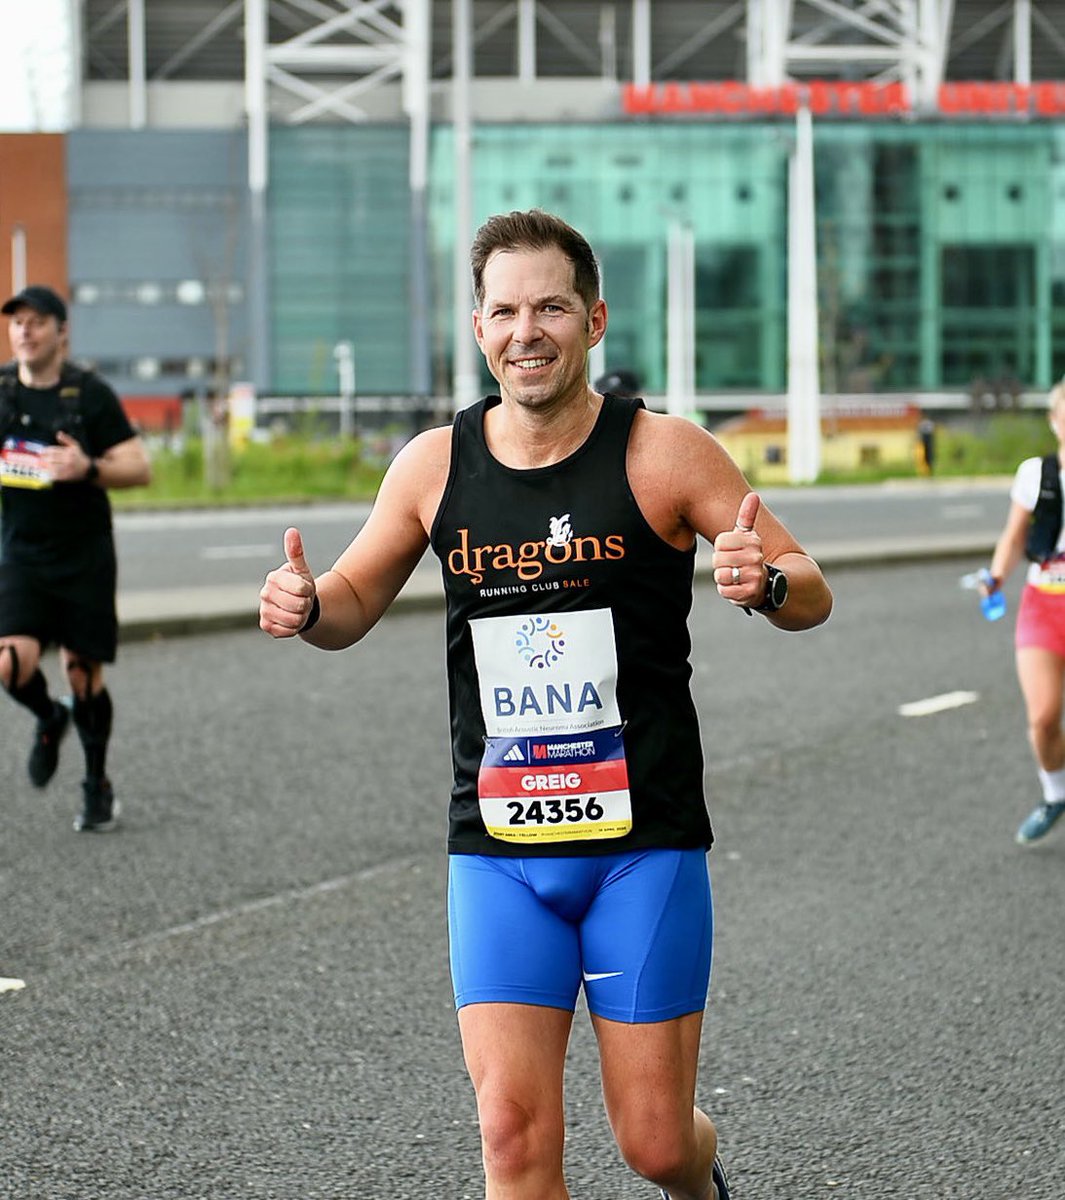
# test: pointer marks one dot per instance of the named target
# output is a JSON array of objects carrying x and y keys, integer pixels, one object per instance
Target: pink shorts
[{"x": 1041, "y": 620}]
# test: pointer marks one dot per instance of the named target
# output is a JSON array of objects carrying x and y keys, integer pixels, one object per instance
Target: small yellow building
[{"x": 850, "y": 439}]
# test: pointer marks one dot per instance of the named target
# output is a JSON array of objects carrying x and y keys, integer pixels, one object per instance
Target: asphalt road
[
  {"x": 242, "y": 994},
  {"x": 222, "y": 548}
]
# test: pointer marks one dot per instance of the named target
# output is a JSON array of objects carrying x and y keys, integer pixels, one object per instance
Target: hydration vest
[
  {"x": 68, "y": 419},
  {"x": 1044, "y": 526}
]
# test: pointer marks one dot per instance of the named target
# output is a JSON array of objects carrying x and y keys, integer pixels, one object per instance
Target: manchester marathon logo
[{"x": 540, "y": 642}]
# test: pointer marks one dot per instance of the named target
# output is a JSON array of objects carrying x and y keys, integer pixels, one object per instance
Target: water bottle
[{"x": 993, "y": 605}]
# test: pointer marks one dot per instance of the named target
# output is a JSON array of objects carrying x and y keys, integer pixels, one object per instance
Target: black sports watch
[{"x": 776, "y": 591}]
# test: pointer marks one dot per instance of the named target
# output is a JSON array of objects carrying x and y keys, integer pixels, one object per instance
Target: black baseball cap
[{"x": 41, "y": 299}]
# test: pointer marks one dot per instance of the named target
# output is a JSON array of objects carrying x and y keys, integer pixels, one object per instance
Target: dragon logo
[{"x": 561, "y": 530}]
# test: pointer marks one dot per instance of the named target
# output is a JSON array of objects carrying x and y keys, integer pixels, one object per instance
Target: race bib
[
  {"x": 554, "y": 765},
  {"x": 22, "y": 464},
  {"x": 1052, "y": 576}
]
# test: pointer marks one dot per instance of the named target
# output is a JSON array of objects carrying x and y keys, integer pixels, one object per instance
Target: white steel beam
[
  {"x": 757, "y": 66},
  {"x": 1022, "y": 41},
  {"x": 76, "y": 20},
  {"x": 768, "y": 25},
  {"x": 804, "y": 384},
  {"x": 608, "y": 46},
  {"x": 464, "y": 352},
  {"x": 900, "y": 39},
  {"x": 844, "y": 53},
  {"x": 258, "y": 175},
  {"x": 416, "y": 20},
  {"x": 333, "y": 100},
  {"x": 641, "y": 42},
  {"x": 138, "y": 89},
  {"x": 935, "y": 18},
  {"x": 526, "y": 40},
  {"x": 362, "y": 43},
  {"x": 680, "y": 319}
]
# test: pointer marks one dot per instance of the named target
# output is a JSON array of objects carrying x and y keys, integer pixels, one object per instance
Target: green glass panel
[{"x": 339, "y": 256}]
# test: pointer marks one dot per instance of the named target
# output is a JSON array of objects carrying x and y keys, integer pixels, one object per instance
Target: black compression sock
[
  {"x": 92, "y": 719},
  {"x": 34, "y": 696}
]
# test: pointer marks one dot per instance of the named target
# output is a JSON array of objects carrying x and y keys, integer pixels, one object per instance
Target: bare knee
[
  {"x": 660, "y": 1154},
  {"x": 517, "y": 1141},
  {"x": 84, "y": 675},
  {"x": 668, "y": 1148},
  {"x": 1044, "y": 730},
  {"x": 19, "y": 660}
]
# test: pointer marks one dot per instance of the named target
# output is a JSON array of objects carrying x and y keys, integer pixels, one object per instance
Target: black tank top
[{"x": 572, "y": 722}]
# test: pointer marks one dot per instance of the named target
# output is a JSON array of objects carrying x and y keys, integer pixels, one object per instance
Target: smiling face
[
  {"x": 36, "y": 341},
  {"x": 534, "y": 329}
]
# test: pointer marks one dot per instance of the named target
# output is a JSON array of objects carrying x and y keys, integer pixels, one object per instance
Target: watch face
[
  {"x": 780, "y": 589},
  {"x": 777, "y": 590}
]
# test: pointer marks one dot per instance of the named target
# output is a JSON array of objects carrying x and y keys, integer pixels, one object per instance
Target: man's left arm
[
  {"x": 125, "y": 464},
  {"x": 714, "y": 499},
  {"x": 108, "y": 452},
  {"x": 807, "y": 599}
]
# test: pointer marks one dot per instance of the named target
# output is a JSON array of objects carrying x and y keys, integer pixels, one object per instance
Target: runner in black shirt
[{"x": 64, "y": 439}]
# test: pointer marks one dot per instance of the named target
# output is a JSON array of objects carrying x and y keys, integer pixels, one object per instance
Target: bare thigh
[
  {"x": 1042, "y": 678},
  {"x": 649, "y": 1070}
]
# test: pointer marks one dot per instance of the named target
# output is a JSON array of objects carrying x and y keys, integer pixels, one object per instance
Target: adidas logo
[{"x": 514, "y": 754}]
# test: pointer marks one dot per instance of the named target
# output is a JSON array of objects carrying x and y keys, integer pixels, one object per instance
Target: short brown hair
[{"x": 535, "y": 230}]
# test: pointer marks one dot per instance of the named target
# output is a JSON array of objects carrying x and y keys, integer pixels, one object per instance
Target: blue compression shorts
[{"x": 636, "y": 929}]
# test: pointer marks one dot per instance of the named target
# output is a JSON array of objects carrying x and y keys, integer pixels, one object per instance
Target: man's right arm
[{"x": 355, "y": 593}]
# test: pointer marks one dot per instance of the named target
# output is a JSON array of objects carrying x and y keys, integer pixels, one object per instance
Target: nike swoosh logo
[{"x": 591, "y": 976}]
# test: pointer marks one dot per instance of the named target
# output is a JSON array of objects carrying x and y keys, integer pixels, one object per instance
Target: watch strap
[{"x": 770, "y": 604}]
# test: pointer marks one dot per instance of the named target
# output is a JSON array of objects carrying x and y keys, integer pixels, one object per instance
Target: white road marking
[
  {"x": 248, "y": 907},
  {"x": 11, "y": 985},
  {"x": 934, "y": 704},
  {"x": 254, "y": 550}
]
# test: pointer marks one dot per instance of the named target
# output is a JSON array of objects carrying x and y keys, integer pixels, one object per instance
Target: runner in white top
[{"x": 1040, "y": 633}]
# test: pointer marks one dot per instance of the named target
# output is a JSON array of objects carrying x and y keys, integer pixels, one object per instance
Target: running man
[
  {"x": 64, "y": 440},
  {"x": 566, "y": 525}
]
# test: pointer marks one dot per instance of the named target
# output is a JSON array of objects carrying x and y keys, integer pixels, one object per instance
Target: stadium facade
[{"x": 248, "y": 185}]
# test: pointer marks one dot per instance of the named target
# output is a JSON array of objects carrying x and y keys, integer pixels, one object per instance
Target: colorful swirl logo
[{"x": 540, "y": 642}]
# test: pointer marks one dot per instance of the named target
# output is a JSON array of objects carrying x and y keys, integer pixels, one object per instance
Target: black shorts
[{"x": 70, "y": 608}]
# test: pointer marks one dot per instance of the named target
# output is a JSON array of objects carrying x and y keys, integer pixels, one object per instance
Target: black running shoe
[
  {"x": 99, "y": 807},
  {"x": 721, "y": 1181},
  {"x": 44, "y": 757}
]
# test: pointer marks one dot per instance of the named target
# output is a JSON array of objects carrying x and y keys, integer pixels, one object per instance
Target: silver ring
[{"x": 735, "y": 574}]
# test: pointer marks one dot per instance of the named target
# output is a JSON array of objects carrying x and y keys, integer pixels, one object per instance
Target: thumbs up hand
[
  {"x": 739, "y": 562},
  {"x": 288, "y": 594}
]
